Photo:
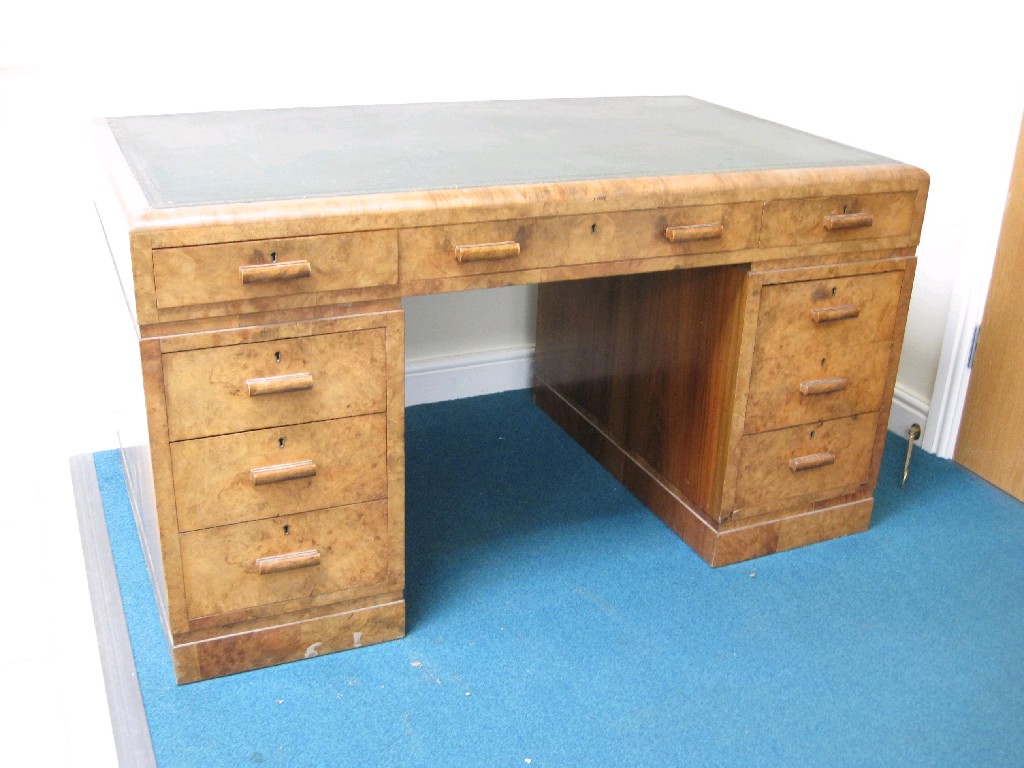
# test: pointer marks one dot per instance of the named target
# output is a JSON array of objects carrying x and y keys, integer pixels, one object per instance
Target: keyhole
[
  {"x": 824, "y": 362},
  {"x": 273, "y": 257},
  {"x": 593, "y": 229},
  {"x": 287, "y": 530},
  {"x": 812, "y": 437},
  {"x": 834, "y": 289},
  {"x": 280, "y": 442},
  {"x": 277, "y": 357}
]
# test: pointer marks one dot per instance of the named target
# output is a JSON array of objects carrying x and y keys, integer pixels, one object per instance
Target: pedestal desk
[{"x": 721, "y": 308}]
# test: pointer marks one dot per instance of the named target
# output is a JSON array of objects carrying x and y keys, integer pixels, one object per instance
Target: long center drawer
[{"x": 518, "y": 244}]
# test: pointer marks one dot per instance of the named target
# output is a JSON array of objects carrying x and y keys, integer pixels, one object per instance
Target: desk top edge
[{"x": 220, "y": 223}]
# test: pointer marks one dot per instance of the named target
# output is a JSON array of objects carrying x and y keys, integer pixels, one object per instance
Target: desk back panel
[{"x": 652, "y": 358}]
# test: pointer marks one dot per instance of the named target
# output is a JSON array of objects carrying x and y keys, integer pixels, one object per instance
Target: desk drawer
[
  {"x": 206, "y": 274},
  {"x": 818, "y": 384},
  {"x": 234, "y": 567},
  {"x": 832, "y": 313},
  {"x": 838, "y": 219},
  {"x": 254, "y": 475},
  {"x": 272, "y": 383},
  {"x": 817, "y": 461},
  {"x": 520, "y": 244}
]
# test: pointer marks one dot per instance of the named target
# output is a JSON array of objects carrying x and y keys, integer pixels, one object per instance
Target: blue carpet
[{"x": 554, "y": 621}]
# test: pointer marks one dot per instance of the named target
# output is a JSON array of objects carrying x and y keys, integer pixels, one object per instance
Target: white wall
[{"x": 915, "y": 81}]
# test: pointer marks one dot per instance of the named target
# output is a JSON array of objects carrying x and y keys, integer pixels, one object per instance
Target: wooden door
[{"x": 991, "y": 439}]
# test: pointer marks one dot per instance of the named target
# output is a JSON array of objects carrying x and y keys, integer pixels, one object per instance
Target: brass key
[{"x": 913, "y": 434}]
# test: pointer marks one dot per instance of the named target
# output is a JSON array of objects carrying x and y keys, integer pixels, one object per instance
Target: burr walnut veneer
[{"x": 721, "y": 308}]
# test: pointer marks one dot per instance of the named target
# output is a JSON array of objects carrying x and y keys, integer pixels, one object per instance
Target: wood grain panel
[
  {"x": 212, "y": 475},
  {"x": 207, "y": 393},
  {"x": 652, "y": 359},
  {"x": 395, "y": 351},
  {"x": 206, "y": 274},
  {"x": 796, "y": 530},
  {"x": 220, "y": 564},
  {"x": 248, "y": 329},
  {"x": 290, "y": 641}
]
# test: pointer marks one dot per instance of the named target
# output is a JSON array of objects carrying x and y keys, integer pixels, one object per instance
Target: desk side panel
[{"x": 132, "y": 422}]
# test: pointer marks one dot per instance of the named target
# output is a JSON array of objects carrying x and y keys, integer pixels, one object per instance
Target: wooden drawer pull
[
  {"x": 814, "y": 461},
  {"x": 690, "y": 232},
  {"x": 289, "y": 562},
  {"x": 486, "y": 251},
  {"x": 276, "y": 385},
  {"x": 848, "y": 221},
  {"x": 280, "y": 473},
  {"x": 823, "y": 386},
  {"x": 831, "y": 314},
  {"x": 279, "y": 270}
]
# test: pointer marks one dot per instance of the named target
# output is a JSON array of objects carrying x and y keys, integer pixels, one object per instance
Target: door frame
[{"x": 967, "y": 307}]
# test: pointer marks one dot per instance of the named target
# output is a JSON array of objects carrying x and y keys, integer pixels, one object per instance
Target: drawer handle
[
  {"x": 289, "y": 562},
  {"x": 280, "y": 473},
  {"x": 823, "y": 386},
  {"x": 848, "y": 221},
  {"x": 279, "y": 270},
  {"x": 814, "y": 461},
  {"x": 689, "y": 232},
  {"x": 276, "y": 385},
  {"x": 486, "y": 251},
  {"x": 831, "y": 314}
]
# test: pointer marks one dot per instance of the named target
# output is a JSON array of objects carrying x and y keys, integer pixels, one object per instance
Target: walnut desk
[{"x": 721, "y": 312}]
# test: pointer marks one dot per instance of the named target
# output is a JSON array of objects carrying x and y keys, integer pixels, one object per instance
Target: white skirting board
[
  {"x": 907, "y": 409},
  {"x": 483, "y": 373},
  {"x": 480, "y": 373}
]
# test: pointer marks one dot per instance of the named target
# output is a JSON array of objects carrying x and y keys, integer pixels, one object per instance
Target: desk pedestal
[{"x": 747, "y": 409}]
